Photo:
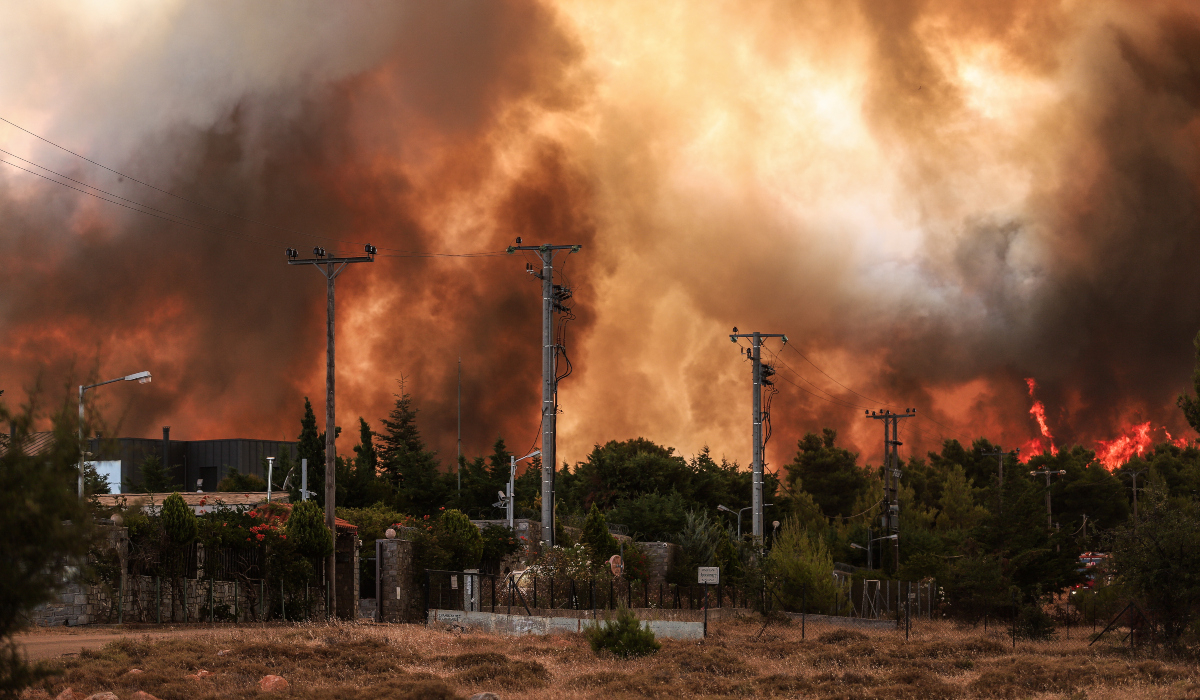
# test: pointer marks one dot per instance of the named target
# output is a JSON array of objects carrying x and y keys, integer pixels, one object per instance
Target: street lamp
[
  {"x": 512, "y": 475},
  {"x": 139, "y": 377},
  {"x": 739, "y": 514},
  {"x": 871, "y": 541}
]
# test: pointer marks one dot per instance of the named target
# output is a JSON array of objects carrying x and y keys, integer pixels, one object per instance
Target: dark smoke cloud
[{"x": 934, "y": 199}]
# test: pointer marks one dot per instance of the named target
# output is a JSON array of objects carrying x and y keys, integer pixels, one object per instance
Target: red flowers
[
  {"x": 260, "y": 537},
  {"x": 254, "y": 514}
]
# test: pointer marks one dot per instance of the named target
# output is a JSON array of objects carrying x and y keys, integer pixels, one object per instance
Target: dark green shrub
[
  {"x": 498, "y": 542},
  {"x": 596, "y": 536},
  {"x": 1033, "y": 622},
  {"x": 623, "y": 636},
  {"x": 178, "y": 520},
  {"x": 459, "y": 539},
  {"x": 307, "y": 531}
]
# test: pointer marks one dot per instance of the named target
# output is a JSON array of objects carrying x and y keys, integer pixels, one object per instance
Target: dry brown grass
[{"x": 409, "y": 661}]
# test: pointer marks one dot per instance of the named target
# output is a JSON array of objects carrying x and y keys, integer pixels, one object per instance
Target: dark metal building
[{"x": 189, "y": 461}]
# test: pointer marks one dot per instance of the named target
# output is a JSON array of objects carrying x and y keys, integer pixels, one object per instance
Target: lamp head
[
  {"x": 370, "y": 249},
  {"x": 140, "y": 377},
  {"x": 292, "y": 253},
  {"x": 319, "y": 252}
]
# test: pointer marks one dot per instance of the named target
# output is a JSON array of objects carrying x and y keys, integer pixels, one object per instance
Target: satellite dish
[{"x": 617, "y": 564}]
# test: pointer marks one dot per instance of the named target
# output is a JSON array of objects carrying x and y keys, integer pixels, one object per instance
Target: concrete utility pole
[
  {"x": 553, "y": 296},
  {"x": 1048, "y": 473},
  {"x": 1001, "y": 454},
  {"x": 756, "y": 458},
  {"x": 891, "y": 476},
  {"x": 1134, "y": 473},
  {"x": 330, "y": 268}
]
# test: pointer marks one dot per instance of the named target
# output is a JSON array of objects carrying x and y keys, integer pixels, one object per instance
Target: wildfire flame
[
  {"x": 1044, "y": 444},
  {"x": 1111, "y": 453}
]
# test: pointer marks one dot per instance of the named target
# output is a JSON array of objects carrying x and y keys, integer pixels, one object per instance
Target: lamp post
[
  {"x": 739, "y": 514},
  {"x": 869, "y": 548},
  {"x": 139, "y": 377},
  {"x": 512, "y": 475}
]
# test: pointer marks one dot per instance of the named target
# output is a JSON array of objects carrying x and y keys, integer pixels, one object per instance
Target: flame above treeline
[
  {"x": 1132, "y": 441},
  {"x": 933, "y": 199}
]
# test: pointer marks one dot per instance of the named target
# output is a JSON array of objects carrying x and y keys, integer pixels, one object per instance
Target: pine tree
[
  {"x": 311, "y": 446},
  {"x": 596, "y": 536},
  {"x": 414, "y": 471}
]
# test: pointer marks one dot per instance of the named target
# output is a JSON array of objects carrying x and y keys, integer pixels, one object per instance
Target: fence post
[
  {"x": 282, "y": 601},
  {"x": 237, "y": 616},
  {"x": 158, "y": 598},
  {"x": 185, "y": 601},
  {"x": 660, "y": 603},
  {"x": 1014, "y": 621},
  {"x": 262, "y": 600},
  {"x": 211, "y": 609},
  {"x": 551, "y": 592},
  {"x": 308, "y": 605},
  {"x": 535, "y": 607},
  {"x": 803, "y": 609},
  {"x": 908, "y": 610},
  {"x": 428, "y": 588},
  {"x": 120, "y": 601}
]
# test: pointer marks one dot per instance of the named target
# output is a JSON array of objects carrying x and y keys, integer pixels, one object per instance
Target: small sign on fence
[{"x": 710, "y": 574}]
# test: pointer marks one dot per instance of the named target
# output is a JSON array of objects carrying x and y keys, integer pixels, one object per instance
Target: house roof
[
  {"x": 209, "y": 499},
  {"x": 33, "y": 444},
  {"x": 212, "y": 498}
]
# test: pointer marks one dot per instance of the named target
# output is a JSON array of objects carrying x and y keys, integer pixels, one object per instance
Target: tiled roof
[
  {"x": 210, "y": 499},
  {"x": 214, "y": 498}
]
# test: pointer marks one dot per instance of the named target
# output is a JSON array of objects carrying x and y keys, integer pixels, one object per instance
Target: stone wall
[
  {"x": 659, "y": 557},
  {"x": 151, "y": 599}
]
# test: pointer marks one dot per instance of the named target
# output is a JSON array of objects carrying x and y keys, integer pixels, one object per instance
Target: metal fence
[
  {"x": 468, "y": 590},
  {"x": 908, "y": 610}
]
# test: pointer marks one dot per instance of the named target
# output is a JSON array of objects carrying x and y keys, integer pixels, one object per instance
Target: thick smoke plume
[{"x": 934, "y": 200}]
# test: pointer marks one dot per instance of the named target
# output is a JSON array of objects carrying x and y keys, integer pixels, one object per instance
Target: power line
[
  {"x": 163, "y": 215},
  {"x": 398, "y": 253}
]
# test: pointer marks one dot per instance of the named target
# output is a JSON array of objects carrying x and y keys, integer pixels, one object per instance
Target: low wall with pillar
[{"x": 401, "y": 599}]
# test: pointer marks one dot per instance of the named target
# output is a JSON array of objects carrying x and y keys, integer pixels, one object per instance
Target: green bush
[
  {"x": 1033, "y": 622},
  {"x": 623, "y": 636},
  {"x": 459, "y": 539},
  {"x": 179, "y": 521},
  {"x": 596, "y": 537},
  {"x": 498, "y": 542},
  {"x": 307, "y": 531}
]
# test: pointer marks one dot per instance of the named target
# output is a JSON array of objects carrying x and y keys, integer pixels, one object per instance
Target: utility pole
[
  {"x": 760, "y": 376},
  {"x": 330, "y": 268},
  {"x": 1134, "y": 473},
  {"x": 553, "y": 298},
  {"x": 1048, "y": 473},
  {"x": 891, "y": 477},
  {"x": 1001, "y": 454},
  {"x": 458, "y": 464}
]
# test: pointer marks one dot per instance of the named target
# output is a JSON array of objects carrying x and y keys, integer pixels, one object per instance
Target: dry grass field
[{"x": 410, "y": 661}]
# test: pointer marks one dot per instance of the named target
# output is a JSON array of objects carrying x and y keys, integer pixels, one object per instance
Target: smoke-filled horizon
[{"x": 935, "y": 200}]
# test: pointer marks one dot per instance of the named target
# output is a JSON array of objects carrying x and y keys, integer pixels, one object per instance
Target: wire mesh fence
[{"x": 917, "y": 611}]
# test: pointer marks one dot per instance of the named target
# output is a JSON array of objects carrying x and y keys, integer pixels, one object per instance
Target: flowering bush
[{"x": 566, "y": 562}]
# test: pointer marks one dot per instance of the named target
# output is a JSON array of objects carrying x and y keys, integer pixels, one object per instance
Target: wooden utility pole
[
  {"x": 330, "y": 268},
  {"x": 1048, "y": 473},
  {"x": 1001, "y": 454}
]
